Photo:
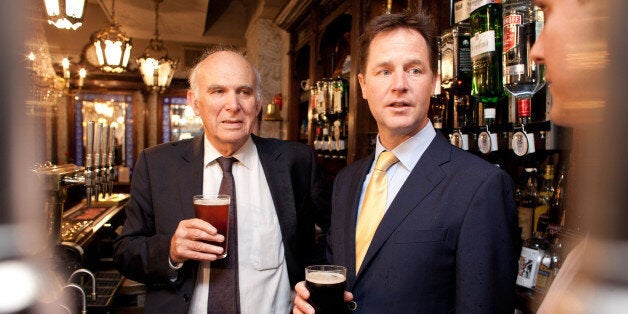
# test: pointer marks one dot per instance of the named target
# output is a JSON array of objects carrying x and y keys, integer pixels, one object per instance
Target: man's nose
[
  {"x": 399, "y": 81},
  {"x": 231, "y": 102},
  {"x": 537, "y": 53}
]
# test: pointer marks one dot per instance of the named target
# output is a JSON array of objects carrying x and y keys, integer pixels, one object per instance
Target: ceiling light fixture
[
  {"x": 113, "y": 47},
  {"x": 67, "y": 14},
  {"x": 156, "y": 67}
]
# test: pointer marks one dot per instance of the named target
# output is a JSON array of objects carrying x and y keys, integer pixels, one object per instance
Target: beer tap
[
  {"x": 97, "y": 160},
  {"x": 112, "y": 173},
  {"x": 83, "y": 298},
  {"x": 104, "y": 154},
  {"x": 90, "y": 274},
  {"x": 89, "y": 163}
]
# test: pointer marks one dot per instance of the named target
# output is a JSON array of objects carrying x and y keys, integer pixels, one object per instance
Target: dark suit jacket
[
  {"x": 446, "y": 243},
  {"x": 167, "y": 176}
]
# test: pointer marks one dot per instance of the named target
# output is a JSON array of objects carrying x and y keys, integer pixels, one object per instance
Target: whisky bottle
[
  {"x": 486, "y": 50},
  {"x": 536, "y": 261},
  {"x": 528, "y": 201},
  {"x": 437, "y": 101},
  {"x": 455, "y": 53},
  {"x": 556, "y": 211}
]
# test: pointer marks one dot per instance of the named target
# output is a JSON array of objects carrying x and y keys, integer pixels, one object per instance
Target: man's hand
[
  {"x": 190, "y": 241},
  {"x": 300, "y": 300}
]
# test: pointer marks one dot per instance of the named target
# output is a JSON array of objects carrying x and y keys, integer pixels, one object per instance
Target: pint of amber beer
[
  {"x": 326, "y": 284},
  {"x": 215, "y": 210}
]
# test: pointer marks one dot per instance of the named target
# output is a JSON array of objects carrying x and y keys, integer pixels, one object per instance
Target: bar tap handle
[
  {"x": 112, "y": 134},
  {"x": 97, "y": 160},
  {"x": 89, "y": 163},
  {"x": 104, "y": 153}
]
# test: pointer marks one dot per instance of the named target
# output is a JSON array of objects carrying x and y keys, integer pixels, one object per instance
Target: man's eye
[
  {"x": 415, "y": 71},
  {"x": 385, "y": 72}
]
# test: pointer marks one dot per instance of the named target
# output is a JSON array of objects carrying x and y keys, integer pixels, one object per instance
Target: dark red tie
[{"x": 224, "y": 296}]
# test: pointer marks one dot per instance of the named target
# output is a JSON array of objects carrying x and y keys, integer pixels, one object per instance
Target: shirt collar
[
  {"x": 410, "y": 151},
  {"x": 245, "y": 155}
]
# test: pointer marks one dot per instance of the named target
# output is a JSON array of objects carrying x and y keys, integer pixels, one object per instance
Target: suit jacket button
[
  {"x": 186, "y": 298},
  {"x": 352, "y": 306}
]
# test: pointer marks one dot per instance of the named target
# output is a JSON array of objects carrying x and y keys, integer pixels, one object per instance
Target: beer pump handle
[
  {"x": 97, "y": 159},
  {"x": 104, "y": 173},
  {"x": 89, "y": 162},
  {"x": 112, "y": 134}
]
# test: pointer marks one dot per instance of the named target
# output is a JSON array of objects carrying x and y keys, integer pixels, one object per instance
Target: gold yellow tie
[{"x": 373, "y": 206}]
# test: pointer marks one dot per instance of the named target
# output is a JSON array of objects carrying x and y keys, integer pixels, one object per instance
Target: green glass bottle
[{"x": 486, "y": 50}]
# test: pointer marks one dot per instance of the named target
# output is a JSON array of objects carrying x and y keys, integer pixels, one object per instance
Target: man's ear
[
  {"x": 192, "y": 102},
  {"x": 362, "y": 85}
]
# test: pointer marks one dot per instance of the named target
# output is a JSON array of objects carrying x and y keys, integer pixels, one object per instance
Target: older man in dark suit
[
  {"x": 280, "y": 196},
  {"x": 422, "y": 226}
]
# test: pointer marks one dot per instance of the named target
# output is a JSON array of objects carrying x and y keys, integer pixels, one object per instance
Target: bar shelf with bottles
[
  {"x": 328, "y": 109},
  {"x": 493, "y": 101}
]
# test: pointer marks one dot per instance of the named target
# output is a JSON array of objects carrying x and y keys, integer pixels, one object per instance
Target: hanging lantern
[
  {"x": 113, "y": 47},
  {"x": 65, "y": 14},
  {"x": 156, "y": 67}
]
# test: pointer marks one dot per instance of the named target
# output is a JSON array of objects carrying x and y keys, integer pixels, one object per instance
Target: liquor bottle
[
  {"x": 455, "y": 55},
  {"x": 556, "y": 211},
  {"x": 546, "y": 191},
  {"x": 522, "y": 76},
  {"x": 437, "y": 101},
  {"x": 340, "y": 97},
  {"x": 318, "y": 142},
  {"x": 486, "y": 48},
  {"x": 325, "y": 142},
  {"x": 331, "y": 142},
  {"x": 536, "y": 261},
  {"x": 527, "y": 204},
  {"x": 462, "y": 11}
]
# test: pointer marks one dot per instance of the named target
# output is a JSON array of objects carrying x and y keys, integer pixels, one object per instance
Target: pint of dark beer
[
  {"x": 215, "y": 210},
  {"x": 326, "y": 284}
]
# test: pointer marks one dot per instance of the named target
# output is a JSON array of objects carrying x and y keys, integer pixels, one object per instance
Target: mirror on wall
[
  {"x": 180, "y": 122},
  {"x": 112, "y": 109}
]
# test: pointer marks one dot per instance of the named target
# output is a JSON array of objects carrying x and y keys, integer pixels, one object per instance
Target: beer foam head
[
  {"x": 326, "y": 278},
  {"x": 212, "y": 201}
]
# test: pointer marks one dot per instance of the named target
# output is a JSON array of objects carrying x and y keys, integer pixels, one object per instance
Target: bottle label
[
  {"x": 487, "y": 142},
  {"x": 482, "y": 43},
  {"x": 519, "y": 143},
  {"x": 515, "y": 69},
  {"x": 476, "y": 4},
  {"x": 528, "y": 267},
  {"x": 447, "y": 60},
  {"x": 460, "y": 140},
  {"x": 511, "y": 31},
  {"x": 526, "y": 216},
  {"x": 462, "y": 10},
  {"x": 338, "y": 93}
]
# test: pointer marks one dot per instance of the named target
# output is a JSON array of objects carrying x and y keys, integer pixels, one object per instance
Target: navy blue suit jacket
[
  {"x": 445, "y": 245},
  {"x": 167, "y": 176}
]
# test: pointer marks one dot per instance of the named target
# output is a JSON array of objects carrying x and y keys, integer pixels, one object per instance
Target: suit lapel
[
  {"x": 350, "y": 219},
  {"x": 190, "y": 175},
  {"x": 279, "y": 182},
  {"x": 425, "y": 176}
]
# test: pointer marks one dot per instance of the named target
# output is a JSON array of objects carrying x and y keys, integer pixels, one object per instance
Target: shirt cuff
[{"x": 174, "y": 266}]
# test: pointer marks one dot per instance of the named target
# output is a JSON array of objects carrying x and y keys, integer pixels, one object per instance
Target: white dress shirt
[
  {"x": 263, "y": 273},
  {"x": 409, "y": 152}
]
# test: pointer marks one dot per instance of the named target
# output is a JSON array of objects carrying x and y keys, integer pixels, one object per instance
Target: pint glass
[{"x": 215, "y": 210}]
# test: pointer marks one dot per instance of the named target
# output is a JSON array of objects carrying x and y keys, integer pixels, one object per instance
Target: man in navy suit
[
  {"x": 280, "y": 195},
  {"x": 447, "y": 240}
]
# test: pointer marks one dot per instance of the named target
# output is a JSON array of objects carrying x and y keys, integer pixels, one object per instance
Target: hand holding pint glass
[
  {"x": 326, "y": 284},
  {"x": 214, "y": 209}
]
